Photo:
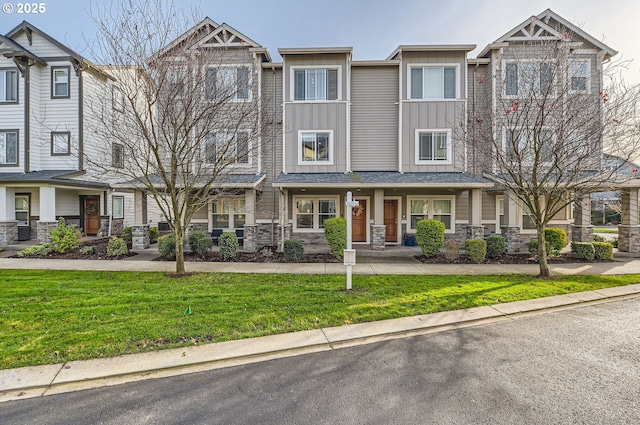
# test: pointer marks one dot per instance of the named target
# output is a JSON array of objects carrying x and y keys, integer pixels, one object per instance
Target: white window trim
[
  {"x": 292, "y": 82},
  {"x": 67, "y": 82},
  {"x": 419, "y": 161},
  {"x": 432, "y": 198},
  {"x": 113, "y": 198},
  {"x": 518, "y": 61},
  {"x": 301, "y": 162},
  {"x": 231, "y": 214},
  {"x": 588, "y": 62},
  {"x": 316, "y": 212},
  {"x": 433, "y": 65},
  {"x": 16, "y": 86},
  {"x": 28, "y": 197},
  {"x": 520, "y": 209},
  {"x": 234, "y": 164},
  {"x": 232, "y": 65}
]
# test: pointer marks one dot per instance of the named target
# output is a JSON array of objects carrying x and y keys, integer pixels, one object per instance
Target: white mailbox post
[{"x": 349, "y": 253}]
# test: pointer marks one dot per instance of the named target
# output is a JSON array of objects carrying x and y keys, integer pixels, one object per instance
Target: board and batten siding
[{"x": 374, "y": 118}]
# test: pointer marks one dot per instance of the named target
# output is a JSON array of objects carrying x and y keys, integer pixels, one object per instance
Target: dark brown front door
[
  {"x": 91, "y": 215},
  {"x": 359, "y": 223},
  {"x": 391, "y": 220}
]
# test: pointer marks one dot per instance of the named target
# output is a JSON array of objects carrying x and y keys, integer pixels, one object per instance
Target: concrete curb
[{"x": 78, "y": 375}]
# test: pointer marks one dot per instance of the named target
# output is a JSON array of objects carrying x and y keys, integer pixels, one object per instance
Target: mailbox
[{"x": 349, "y": 257}]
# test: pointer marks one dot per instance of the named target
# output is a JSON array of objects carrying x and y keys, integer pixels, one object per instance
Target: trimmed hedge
[
  {"x": 451, "y": 250},
  {"x": 228, "y": 243},
  {"x": 556, "y": 237},
  {"x": 476, "y": 249},
  {"x": 167, "y": 246},
  {"x": 335, "y": 232},
  {"x": 496, "y": 246},
  {"x": 116, "y": 246},
  {"x": 533, "y": 248},
  {"x": 293, "y": 251},
  {"x": 583, "y": 250},
  {"x": 602, "y": 250},
  {"x": 199, "y": 242},
  {"x": 430, "y": 236}
]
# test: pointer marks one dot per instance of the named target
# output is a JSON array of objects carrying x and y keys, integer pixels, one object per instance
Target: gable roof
[
  {"x": 226, "y": 36},
  {"x": 14, "y": 49},
  {"x": 540, "y": 28}
]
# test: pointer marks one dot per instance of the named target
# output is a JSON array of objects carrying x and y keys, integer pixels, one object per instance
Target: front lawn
[
  {"x": 54, "y": 316},
  {"x": 605, "y": 229}
]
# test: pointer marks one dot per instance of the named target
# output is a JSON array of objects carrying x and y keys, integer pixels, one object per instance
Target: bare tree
[
  {"x": 544, "y": 126},
  {"x": 185, "y": 114}
]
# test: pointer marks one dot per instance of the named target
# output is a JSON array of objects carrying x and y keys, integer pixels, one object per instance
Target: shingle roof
[
  {"x": 381, "y": 178},
  {"x": 227, "y": 180},
  {"x": 61, "y": 177}
]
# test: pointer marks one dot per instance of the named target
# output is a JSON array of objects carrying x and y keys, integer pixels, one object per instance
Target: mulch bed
[
  {"x": 101, "y": 252},
  {"x": 506, "y": 259},
  {"x": 254, "y": 257}
]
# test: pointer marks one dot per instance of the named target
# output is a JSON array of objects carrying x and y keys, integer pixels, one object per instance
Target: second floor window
[
  {"x": 8, "y": 147},
  {"x": 433, "y": 146},
  {"x": 117, "y": 155},
  {"x": 315, "y": 147},
  {"x": 521, "y": 146},
  {"x": 526, "y": 78},
  {"x": 227, "y": 82},
  {"x": 433, "y": 82},
  {"x": 227, "y": 146},
  {"x": 8, "y": 85},
  {"x": 60, "y": 143},
  {"x": 59, "y": 82},
  {"x": 315, "y": 84},
  {"x": 579, "y": 73}
]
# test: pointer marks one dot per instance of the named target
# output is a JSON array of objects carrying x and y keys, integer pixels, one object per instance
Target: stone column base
[
  {"x": 511, "y": 237},
  {"x": 475, "y": 232},
  {"x": 378, "y": 236},
  {"x": 581, "y": 233},
  {"x": 140, "y": 237},
  {"x": 8, "y": 232},
  {"x": 629, "y": 238},
  {"x": 250, "y": 237},
  {"x": 42, "y": 229}
]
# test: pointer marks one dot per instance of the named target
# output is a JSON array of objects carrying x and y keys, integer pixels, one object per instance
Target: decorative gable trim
[{"x": 226, "y": 36}]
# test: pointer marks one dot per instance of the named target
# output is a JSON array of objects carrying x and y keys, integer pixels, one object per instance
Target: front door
[
  {"x": 91, "y": 215},
  {"x": 359, "y": 222},
  {"x": 391, "y": 220}
]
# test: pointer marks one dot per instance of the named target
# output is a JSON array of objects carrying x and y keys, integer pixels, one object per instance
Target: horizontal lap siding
[{"x": 374, "y": 119}]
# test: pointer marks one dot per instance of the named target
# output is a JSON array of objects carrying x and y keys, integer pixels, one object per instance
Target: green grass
[
  {"x": 54, "y": 316},
  {"x": 605, "y": 229}
]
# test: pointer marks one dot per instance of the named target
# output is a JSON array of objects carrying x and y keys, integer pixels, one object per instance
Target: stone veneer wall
[
  {"x": 140, "y": 237},
  {"x": 8, "y": 232},
  {"x": 378, "y": 236},
  {"x": 43, "y": 228},
  {"x": 628, "y": 238}
]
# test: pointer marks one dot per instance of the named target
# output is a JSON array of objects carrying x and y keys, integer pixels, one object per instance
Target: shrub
[
  {"x": 1, "y": 248},
  {"x": 496, "y": 246},
  {"x": 195, "y": 236},
  {"x": 202, "y": 246},
  {"x": 228, "y": 245},
  {"x": 116, "y": 246},
  {"x": 451, "y": 250},
  {"x": 88, "y": 250},
  {"x": 556, "y": 237},
  {"x": 583, "y": 250},
  {"x": 36, "y": 250},
  {"x": 293, "y": 251},
  {"x": 127, "y": 234},
  {"x": 603, "y": 251},
  {"x": 598, "y": 238},
  {"x": 266, "y": 252},
  {"x": 64, "y": 237},
  {"x": 167, "y": 245},
  {"x": 153, "y": 233},
  {"x": 614, "y": 242},
  {"x": 533, "y": 248},
  {"x": 430, "y": 236},
  {"x": 335, "y": 232},
  {"x": 476, "y": 249}
]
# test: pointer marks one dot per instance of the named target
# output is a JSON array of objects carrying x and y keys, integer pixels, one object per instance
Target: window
[
  {"x": 176, "y": 78},
  {"x": 433, "y": 82},
  {"x": 315, "y": 84},
  {"x": 8, "y": 147},
  {"x": 311, "y": 212},
  {"x": 22, "y": 209},
  {"x": 579, "y": 73},
  {"x": 437, "y": 208},
  {"x": 60, "y": 143},
  {"x": 501, "y": 212},
  {"x": 433, "y": 146},
  {"x": 521, "y": 145},
  {"x": 117, "y": 99},
  {"x": 227, "y": 82},
  {"x": 228, "y": 213},
  {"x": 117, "y": 207},
  {"x": 527, "y": 220},
  {"x": 60, "y": 82},
  {"x": 315, "y": 147},
  {"x": 225, "y": 146},
  {"x": 117, "y": 155},
  {"x": 527, "y": 77},
  {"x": 8, "y": 85}
]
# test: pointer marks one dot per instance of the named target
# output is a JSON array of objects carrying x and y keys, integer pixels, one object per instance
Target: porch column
[
  {"x": 48, "y": 219},
  {"x": 582, "y": 230},
  {"x": 250, "y": 227},
  {"x": 378, "y": 230},
  {"x": 475, "y": 229},
  {"x": 8, "y": 222},
  {"x": 511, "y": 230},
  {"x": 140, "y": 207},
  {"x": 284, "y": 231},
  {"x": 629, "y": 229},
  {"x": 140, "y": 229}
]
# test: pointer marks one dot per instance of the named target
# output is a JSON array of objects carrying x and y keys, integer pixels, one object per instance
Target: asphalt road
[{"x": 574, "y": 366}]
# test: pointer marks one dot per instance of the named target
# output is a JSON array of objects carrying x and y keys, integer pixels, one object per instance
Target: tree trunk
[
  {"x": 542, "y": 255},
  {"x": 179, "y": 234}
]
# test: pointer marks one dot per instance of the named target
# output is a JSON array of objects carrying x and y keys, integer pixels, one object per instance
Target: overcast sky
[{"x": 374, "y": 28}]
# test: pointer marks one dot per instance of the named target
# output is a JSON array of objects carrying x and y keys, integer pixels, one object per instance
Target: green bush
[
  {"x": 614, "y": 242},
  {"x": 293, "y": 251},
  {"x": 430, "y": 236},
  {"x": 64, "y": 237},
  {"x": 194, "y": 236},
  {"x": 88, "y": 250},
  {"x": 583, "y": 250},
  {"x": 533, "y": 248},
  {"x": 202, "y": 246},
  {"x": 451, "y": 250},
  {"x": 603, "y": 251},
  {"x": 153, "y": 233},
  {"x": 127, "y": 234},
  {"x": 36, "y": 250},
  {"x": 496, "y": 246},
  {"x": 167, "y": 246},
  {"x": 116, "y": 246},
  {"x": 598, "y": 238},
  {"x": 335, "y": 232},
  {"x": 556, "y": 237},
  {"x": 1, "y": 248},
  {"x": 228, "y": 245},
  {"x": 476, "y": 249}
]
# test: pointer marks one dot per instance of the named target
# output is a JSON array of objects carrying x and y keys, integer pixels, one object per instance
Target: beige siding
[
  {"x": 450, "y": 58},
  {"x": 310, "y": 61},
  {"x": 374, "y": 118},
  {"x": 40, "y": 46},
  {"x": 489, "y": 206},
  {"x": 462, "y": 206},
  {"x": 267, "y": 202}
]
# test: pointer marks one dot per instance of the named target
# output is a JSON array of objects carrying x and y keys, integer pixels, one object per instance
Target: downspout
[
  {"x": 27, "y": 117},
  {"x": 81, "y": 121}
]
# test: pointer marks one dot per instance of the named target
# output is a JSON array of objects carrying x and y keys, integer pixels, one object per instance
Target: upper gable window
[
  {"x": 227, "y": 82},
  {"x": 8, "y": 85},
  {"x": 60, "y": 82},
  {"x": 526, "y": 78},
  {"x": 579, "y": 73},
  {"x": 433, "y": 82},
  {"x": 315, "y": 84}
]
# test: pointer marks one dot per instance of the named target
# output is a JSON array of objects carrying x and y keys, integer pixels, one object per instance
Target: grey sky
[{"x": 373, "y": 27}]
